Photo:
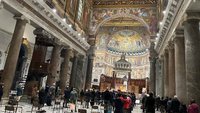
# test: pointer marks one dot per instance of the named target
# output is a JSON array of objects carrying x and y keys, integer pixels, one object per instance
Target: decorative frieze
[{"x": 173, "y": 10}]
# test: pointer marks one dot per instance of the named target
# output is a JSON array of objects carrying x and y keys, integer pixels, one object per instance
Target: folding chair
[
  {"x": 9, "y": 108},
  {"x": 82, "y": 111}
]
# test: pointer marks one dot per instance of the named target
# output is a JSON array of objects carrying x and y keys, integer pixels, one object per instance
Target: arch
[{"x": 96, "y": 28}]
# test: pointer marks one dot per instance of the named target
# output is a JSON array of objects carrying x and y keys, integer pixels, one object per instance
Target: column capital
[
  {"x": 166, "y": 51},
  {"x": 161, "y": 58},
  {"x": 21, "y": 17},
  {"x": 179, "y": 32},
  {"x": 191, "y": 15},
  {"x": 44, "y": 33},
  {"x": 170, "y": 45},
  {"x": 92, "y": 40},
  {"x": 56, "y": 42}
]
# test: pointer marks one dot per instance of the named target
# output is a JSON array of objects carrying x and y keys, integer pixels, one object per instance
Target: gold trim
[{"x": 124, "y": 6}]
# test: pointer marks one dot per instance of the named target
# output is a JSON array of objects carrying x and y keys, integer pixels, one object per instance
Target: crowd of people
[
  {"x": 118, "y": 101},
  {"x": 151, "y": 104}
]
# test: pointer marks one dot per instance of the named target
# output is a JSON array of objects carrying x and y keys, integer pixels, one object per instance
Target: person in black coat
[
  {"x": 87, "y": 98},
  {"x": 118, "y": 104},
  {"x": 150, "y": 104},
  {"x": 175, "y": 105}
]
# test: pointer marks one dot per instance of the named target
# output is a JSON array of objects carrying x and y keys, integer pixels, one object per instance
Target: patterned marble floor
[{"x": 25, "y": 107}]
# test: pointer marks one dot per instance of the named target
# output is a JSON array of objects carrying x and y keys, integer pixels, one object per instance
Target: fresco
[
  {"x": 147, "y": 14},
  {"x": 127, "y": 41}
]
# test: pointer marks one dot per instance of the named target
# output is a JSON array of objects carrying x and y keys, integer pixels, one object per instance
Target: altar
[{"x": 121, "y": 78}]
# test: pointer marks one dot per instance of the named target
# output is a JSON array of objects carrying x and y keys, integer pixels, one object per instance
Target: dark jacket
[
  {"x": 175, "y": 106},
  {"x": 150, "y": 104}
]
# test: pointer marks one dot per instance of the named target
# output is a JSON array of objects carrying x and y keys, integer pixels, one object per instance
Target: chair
[
  {"x": 57, "y": 104},
  {"x": 9, "y": 108},
  {"x": 82, "y": 111},
  {"x": 35, "y": 104},
  {"x": 96, "y": 108}
]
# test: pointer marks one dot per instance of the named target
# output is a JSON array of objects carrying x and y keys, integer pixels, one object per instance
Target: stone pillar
[
  {"x": 158, "y": 78},
  {"x": 192, "y": 58},
  {"x": 129, "y": 82},
  {"x": 13, "y": 54},
  {"x": 171, "y": 67},
  {"x": 74, "y": 71},
  {"x": 161, "y": 60},
  {"x": 84, "y": 71},
  {"x": 180, "y": 76},
  {"x": 152, "y": 59},
  {"x": 79, "y": 79},
  {"x": 166, "y": 74},
  {"x": 89, "y": 67},
  {"x": 54, "y": 64},
  {"x": 113, "y": 80},
  {"x": 65, "y": 69}
]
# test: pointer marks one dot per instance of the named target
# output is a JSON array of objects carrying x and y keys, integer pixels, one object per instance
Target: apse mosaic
[
  {"x": 148, "y": 15},
  {"x": 127, "y": 41}
]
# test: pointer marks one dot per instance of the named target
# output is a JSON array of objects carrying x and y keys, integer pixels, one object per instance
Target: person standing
[
  {"x": 19, "y": 92},
  {"x": 175, "y": 105},
  {"x": 193, "y": 107},
  {"x": 87, "y": 98},
  {"x": 34, "y": 92},
  {"x": 82, "y": 96},
  {"x": 42, "y": 98},
  {"x": 66, "y": 96},
  {"x": 150, "y": 104},
  {"x": 1, "y": 91},
  {"x": 73, "y": 97},
  {"x": 118, "y": 104}
]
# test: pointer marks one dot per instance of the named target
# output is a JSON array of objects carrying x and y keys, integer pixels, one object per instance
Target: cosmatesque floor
[{"x": 25, "y": 107}]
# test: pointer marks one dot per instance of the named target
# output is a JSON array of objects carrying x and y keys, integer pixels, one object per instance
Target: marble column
[
  {"x": 65, "y": 69},
  {"x": 80, "y": 75},
  {"x": 171, "y": 67},
  {"x": 161, "y": 60},
  {"x": 180, "y": 76},
  {"x": 113, "y": 80},
  {"x": 166, "y": 74},
  {"x": 158, "y": 78},
  {"x": 89, "y": 67},
  {"x": 192, "y": 58},
  {"x": 54, "y": 64},
  {"x": 84, "y": 70},
  {"x": 13, "y": 54},
  {"x": 74, "y": 71},
  {"x": 152, "y": 59}
]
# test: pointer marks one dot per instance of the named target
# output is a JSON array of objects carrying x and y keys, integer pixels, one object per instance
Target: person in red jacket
[
  {"x": 193, "y": 107},
  {"x": 127, "y": 104}
]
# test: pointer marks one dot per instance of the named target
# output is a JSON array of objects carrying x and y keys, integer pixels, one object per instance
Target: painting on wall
[
  {"x": 127, "y": 41},
  {"x": 148, "y": 14}
]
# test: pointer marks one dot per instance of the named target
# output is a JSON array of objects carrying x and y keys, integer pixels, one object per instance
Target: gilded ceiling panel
[{"x": 124, "y": 3}]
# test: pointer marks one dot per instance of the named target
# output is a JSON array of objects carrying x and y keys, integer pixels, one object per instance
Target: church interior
[{"x": 135, "y": 46}]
